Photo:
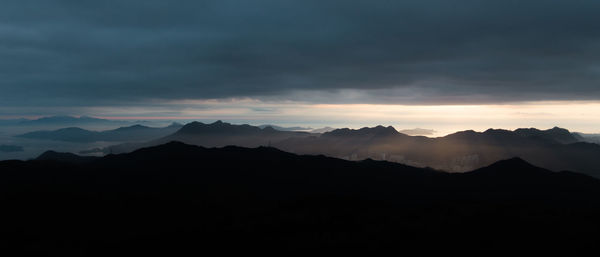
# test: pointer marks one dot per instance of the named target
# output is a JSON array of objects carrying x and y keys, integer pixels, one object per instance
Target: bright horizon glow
[{"x": 579, "y": 116}]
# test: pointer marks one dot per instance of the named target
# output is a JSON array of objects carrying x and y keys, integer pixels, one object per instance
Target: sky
[{"x": 437, "y": 64}]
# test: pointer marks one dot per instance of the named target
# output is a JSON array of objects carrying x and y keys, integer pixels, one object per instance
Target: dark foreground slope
[{"x": 177, "y": 198}]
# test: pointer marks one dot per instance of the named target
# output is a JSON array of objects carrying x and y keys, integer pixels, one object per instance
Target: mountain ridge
[
  {"x": 177, "y": 198},
  {"x": 177, "y": 147},
  {"x": 458, "y": 152},
  {"x": 129, "y": 133}
]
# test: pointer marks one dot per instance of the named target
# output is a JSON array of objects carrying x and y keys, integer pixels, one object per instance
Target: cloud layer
[{"x": 77, "y": 53}]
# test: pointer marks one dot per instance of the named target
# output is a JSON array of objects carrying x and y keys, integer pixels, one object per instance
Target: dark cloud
[{"x": 115, "y": 52}]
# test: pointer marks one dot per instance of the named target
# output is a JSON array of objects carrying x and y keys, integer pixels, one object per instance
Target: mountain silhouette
[
  {"x": 64, "y": 157},
  {"x": 123, "y": 134},
  {"x": 418, "y": 132},
  {"x": 555, "y": 134},
  {"x": 555, "y": 149},
  {"x": 220, "y": 134},
  {"x": 366, "y": 131},
  {"x": 591, "y": 138},
  {"x": 280, "y": 128},
  {"x": 63, "y": 120},
  {"x": 322, "y": 130},
  {"x": 177, "y": 198}
]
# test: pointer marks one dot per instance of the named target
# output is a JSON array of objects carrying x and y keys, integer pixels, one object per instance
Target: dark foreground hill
[{"x": 174, "y": 199}]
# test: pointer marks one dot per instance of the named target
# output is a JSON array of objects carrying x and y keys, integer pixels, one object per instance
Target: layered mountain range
[
  {"x": 122, "y": 134},
  {"x": 556, "y": 149}
]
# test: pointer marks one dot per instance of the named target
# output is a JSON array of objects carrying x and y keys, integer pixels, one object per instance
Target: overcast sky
[{"x": 67, "y": 56}]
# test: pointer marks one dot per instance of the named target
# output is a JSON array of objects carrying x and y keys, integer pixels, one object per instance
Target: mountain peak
[
  {"x": 365, "y": 131},
  {"x": 514, "y": 161},
  {"x": 64, "y": 157},
  {"x": 559, "y": 129},
  {"x": 555, "y": 134},
  {"x": 137, "y": 126},
  {"x": 72, "y": 129},
  {"x": 269, "y": 129},
  {"x": 515, "y": 166},
  {"x": 386, "y": 130},
  {"x": 217, "y": 127},
  {"x": 191, "y": 127},
  {"x": 497, "y": 131},
  {"x": 465, "y": 134}
]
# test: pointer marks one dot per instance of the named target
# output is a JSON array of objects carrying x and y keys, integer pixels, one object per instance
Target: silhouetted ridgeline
[
  {"x": 60, "y": 121},
  {"x": 176, "y": 198},
  {"x": 555, "y": 149},
  {"x": 122, "y": 134}
]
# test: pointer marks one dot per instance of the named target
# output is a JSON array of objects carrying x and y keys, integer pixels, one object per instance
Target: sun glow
[{"x": 577, "y": 116}]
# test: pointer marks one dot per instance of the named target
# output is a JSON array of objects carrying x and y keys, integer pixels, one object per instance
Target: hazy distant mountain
[
  {"x": 592, "y": 138},
  {"x": 216, "y": 134},
  {"x": 96, "y": 150},
  {"x": 556, "y": 134},
  {"x": 11, "y": 122},
  {"x": 222, "y": 134},
  {"x": 462, "y": 151},
  {"x": 10, "y": 148},
  {"x": 379, "y": 131},
  {"x": 72, "y": 134},
  {"x": 285, "y": 128},
  {"x": 123, "y": 134},
  {"x": 174, "y": 199},
  {"x": 322, "y": 130},
  {"x": 19, "y": 126},
  {"x": 63, "y": 120},
  {"x": 418, "y": 132}
]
